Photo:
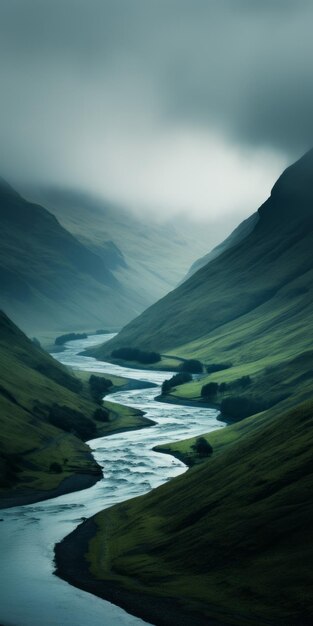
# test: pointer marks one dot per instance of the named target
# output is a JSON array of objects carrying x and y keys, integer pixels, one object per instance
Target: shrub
[
  {"x": 202, "y": 447},
  {"x": 69, "y": 337},
  {"x": 217, "y": 367},
  {"x": 72, "y": 421},
  {"x": 209, "y": 390},
  {"x": 239, "y": 407},
  {"x": 177, "y": 379},
  {"x": 134, "y": 354},
  {"x": 99, "y": 386},
  {"x": 192, "y": 365}
]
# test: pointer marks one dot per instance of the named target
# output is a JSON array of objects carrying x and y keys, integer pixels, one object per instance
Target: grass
[
  {"x": 32, "y": 382},
  {"x": 230, "y": 539}
]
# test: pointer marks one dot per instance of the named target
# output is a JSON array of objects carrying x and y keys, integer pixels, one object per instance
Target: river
[{"x": 30, "y": 595}]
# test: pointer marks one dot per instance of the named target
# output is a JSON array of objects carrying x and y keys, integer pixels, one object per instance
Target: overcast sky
[{"x": 161, "y": 105}]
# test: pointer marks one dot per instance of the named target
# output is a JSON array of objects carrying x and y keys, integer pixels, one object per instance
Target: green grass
[
  {"x": 231, "y": 539},
  {"x": 31, "y": 382}
]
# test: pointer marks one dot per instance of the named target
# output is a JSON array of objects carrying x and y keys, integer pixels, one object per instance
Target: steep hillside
[
  {"x": 148, "y": 259},
  {"x": 240, "y": 233},
  {"x": 230, "y": 542},
  {"x": 251, "y": 304},
  {"x": 45, "y": 415},
  {"x": 48, "y": 279}
]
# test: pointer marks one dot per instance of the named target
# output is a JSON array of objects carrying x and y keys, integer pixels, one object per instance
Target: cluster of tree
[
  {"x": 177, "y": 379},
  {"x": 217, "y": 367},
  {"x": 134, "y": 354},
  {"x": 99, "y": 386},
  {"x": 69, "y": 337},
  {"x": 210, "y": 390},
  {"x": 72, "y": 421},
  {"x": 239, "y": 407},
  {"x": 192, "y": 366},
  {"x": 202, "y": 447}
]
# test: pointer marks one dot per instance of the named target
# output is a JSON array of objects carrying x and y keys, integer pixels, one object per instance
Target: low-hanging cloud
[{"x": 166, "y": 106}]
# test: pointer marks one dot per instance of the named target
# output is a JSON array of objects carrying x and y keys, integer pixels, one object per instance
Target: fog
[{"x": 165, "y": 107}]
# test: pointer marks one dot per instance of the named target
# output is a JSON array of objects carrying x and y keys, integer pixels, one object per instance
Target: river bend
[{"x": 30, "y": 595}]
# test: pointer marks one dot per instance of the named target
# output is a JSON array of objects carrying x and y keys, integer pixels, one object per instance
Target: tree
[
  {"x": 202, "y": 447},
  {"x": 177, "y": 379},
  {"x": 191, "y": 365},
  {"x": 209, "y": 391}
]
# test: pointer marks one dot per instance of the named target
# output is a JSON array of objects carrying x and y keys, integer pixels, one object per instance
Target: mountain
[
  {"x": 147, "y": 258},
  {"x": 229, "y": 543},
  {"x": 242, "y": 231},
  {"x": 49, "y": 279},
  {"x": 37, "y": 458},
  {"x": 250, "y": 306}
]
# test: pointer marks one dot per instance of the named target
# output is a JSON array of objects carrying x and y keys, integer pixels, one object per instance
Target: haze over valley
[{"x": 156, "y": 313}]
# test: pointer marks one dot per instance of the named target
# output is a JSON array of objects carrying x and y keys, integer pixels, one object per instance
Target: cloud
[{"x": 165, "y": 106}]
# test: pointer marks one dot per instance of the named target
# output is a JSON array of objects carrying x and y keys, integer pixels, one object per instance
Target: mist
[{"x": 165, "y": 107}]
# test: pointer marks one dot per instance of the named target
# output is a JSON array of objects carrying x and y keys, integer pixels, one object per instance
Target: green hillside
[
  {"x": 230, "y": 541},
  {"x": 50, "y": 280},
  {"x": 252, "y": 304},
  {"x": 41, "y": 407}
]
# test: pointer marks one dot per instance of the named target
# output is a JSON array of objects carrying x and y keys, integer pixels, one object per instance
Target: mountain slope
[
  {"x": 230, "y": 542},
  {"x": 242, "y": 231},
  {"x": 148, "y": 259},
  {"x": 50, "y": 280},
  {"x": 254, "y": 301},
  {"x": 35, "y": 455}
]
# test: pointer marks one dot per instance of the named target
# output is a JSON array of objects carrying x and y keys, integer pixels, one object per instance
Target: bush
[
  {"x": 99, "y": 386},
  {"x": 217, "y": 367},
  {"x": 202, "y": 447},
  {"x": 133, "y": 354},
  {"x": 209, "y": 390},
  {"x": 239, "y": 407},
  {"x": 69, "y": 337},
  {"x": 177, "y": 379},
  {"x": 101, "y": 415},
  {"x": 72, "y": 421},
  {"x": 192, "y": 365}
]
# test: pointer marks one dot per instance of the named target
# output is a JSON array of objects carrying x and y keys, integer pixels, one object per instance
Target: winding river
[{"x": 30, "y": 595}]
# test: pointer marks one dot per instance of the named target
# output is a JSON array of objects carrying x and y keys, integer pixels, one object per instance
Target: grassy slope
[
  {"x": 229, "y": 540},
  {"x": 232, "y": 538},
  {"x": 31, "y": 382},
  {"x": 254, "y": 301},
  {"x": 48, "y": 278}
]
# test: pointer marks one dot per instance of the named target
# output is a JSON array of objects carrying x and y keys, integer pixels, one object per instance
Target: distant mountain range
[{"x": 143, "y": 260}]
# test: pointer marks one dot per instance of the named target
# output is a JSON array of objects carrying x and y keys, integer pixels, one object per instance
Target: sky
[{"x": 163, "y": 106}]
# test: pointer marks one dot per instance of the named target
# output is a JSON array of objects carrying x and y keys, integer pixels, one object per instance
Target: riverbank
[
  {"x": 76, "y": 482},
  {"x": 72, "y": 566}
]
